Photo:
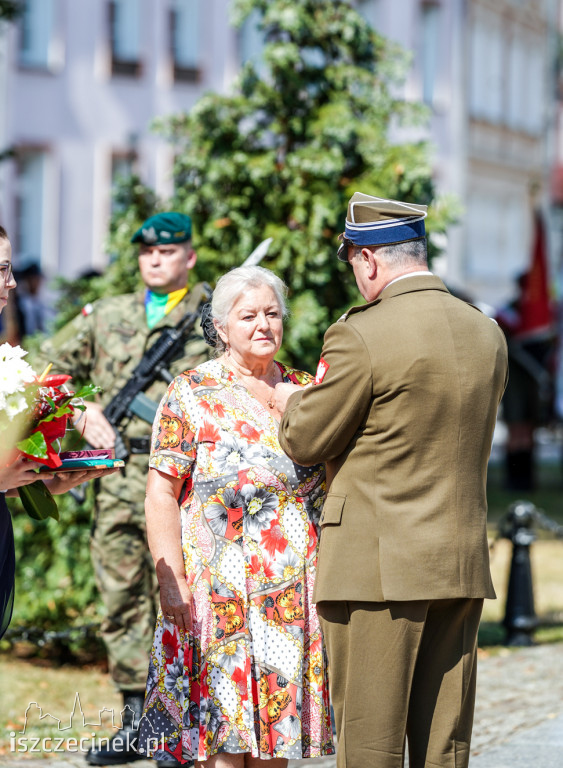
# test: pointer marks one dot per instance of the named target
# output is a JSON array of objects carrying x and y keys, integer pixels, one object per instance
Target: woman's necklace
[{"x": 271, "y": 384}]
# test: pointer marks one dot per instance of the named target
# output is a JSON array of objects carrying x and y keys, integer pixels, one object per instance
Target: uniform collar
[
  {"x": 409, "y": 274},
  {"x": 411, "y": 283}
]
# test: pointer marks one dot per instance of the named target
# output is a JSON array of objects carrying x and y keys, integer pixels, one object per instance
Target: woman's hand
[
  {"x": 19, "y": 472},
  {"x": 176, "y": 599},
  {"x": 164, "y": 534},
  {"x": 61, "y": 482}
]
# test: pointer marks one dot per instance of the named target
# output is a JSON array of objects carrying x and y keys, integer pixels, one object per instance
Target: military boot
[{"x": 121, "y": 748}]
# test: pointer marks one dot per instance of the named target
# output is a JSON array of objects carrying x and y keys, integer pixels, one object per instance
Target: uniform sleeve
[
  {"x": 320, "y": 422},
  {"x": 71, "y": 350},
  {"x": 173, "y": 449}
]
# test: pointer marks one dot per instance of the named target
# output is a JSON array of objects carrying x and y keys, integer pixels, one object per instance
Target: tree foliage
[
  {"x": 281, "y": 155},
  {"x": 10, "y": 9}
]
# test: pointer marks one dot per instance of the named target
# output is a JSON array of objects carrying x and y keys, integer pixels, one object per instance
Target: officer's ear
[{"x": 371, "y": 262}]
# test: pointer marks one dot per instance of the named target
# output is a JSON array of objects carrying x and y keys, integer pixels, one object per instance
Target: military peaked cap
[{"x": 377, "y": 221}]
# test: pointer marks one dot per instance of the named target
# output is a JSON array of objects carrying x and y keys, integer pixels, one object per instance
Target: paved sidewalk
[{"x": 518, "y": 717}]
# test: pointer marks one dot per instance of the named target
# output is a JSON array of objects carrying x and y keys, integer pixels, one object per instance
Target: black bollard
[{"x": 520, "y": 618}]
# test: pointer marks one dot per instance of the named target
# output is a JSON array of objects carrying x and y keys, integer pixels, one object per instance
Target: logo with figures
[{"x": 59, "y": 738}]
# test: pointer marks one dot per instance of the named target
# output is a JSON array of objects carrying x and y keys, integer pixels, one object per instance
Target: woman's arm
[{"x": 164, "y": 534}]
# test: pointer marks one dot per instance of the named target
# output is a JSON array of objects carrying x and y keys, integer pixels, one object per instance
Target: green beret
[{"x": 164, "y": 228}]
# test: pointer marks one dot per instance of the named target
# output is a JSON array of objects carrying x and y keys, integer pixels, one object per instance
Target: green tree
[
  {"x": 10, "y": 9},
  {"x": 281, "y": 156}
]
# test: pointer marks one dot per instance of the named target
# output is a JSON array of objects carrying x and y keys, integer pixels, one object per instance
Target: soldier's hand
[
  {"x": 94, "y": 426},
  {"x": 283, "y": 392}
]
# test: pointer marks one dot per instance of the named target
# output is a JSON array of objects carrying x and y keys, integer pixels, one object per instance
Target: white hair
[
  {"x": 236, "y": 282},
  {"x": 409, "y": 253}
]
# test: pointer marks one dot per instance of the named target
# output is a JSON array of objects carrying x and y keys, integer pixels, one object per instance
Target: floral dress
[{"x": 252, "y": 675}]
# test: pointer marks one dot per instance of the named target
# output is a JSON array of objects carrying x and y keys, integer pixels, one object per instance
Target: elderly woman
[{"x": 238, "y": 670}]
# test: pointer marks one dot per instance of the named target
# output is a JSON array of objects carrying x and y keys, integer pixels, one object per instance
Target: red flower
[
  {"x": 273, "y": 539},
  {"x": 247, "y": 431},
  {"x": 56, "y": 380},
  {"x": 51, "y": 431},
  {"x": 215, "y": 409},
  {"x": 208, "y": 433},
  {"x": 177, "y": 752},
  {"x": 169, "y": 645},
  {"x": 240, "y": 677},
  {"x": 312, "y": 543},
  {"x": 266, "y": 566},
  {"x": 269, "y": 572}
]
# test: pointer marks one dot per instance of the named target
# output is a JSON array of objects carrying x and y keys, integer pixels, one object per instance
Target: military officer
[
  {"x": 402, "y": 412},
  {"x": 103, "y": 345}
]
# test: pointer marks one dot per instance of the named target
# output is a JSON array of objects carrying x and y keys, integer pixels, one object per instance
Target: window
[
  {"x": 251, "y": 40},
  {"x": 125, "y": 36},
  {"x": 430, "y": 49},
  {"x": 536, "y": 89},
  {"x": 30, "y": 204},
  {"x": 185, "y": 35},
  {"x": 496, "y": 233},
  {"x": 37, "y": 30},
  {"x": 370, "y": 10},
  {"x": 517, "y": 77},
  {"x": 123, "y": 166},
  {"x": 527, "y": 85},
  {"x": 486, "y": 94}
]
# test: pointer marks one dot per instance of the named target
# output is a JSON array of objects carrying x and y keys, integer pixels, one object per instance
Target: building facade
[
  {"x": 485, "y": 69},
  {"x": 82, "y": 81},
  {"x": 80, "y": 84}
]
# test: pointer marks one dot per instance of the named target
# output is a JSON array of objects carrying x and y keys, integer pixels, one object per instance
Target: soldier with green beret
[{"x": 104, "y": 344}]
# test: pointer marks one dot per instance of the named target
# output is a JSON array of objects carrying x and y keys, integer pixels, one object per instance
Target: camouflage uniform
[{"x": 103, "y": 345}]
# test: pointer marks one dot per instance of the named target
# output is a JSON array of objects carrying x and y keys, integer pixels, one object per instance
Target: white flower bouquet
[{"x": 33, "y": 418}]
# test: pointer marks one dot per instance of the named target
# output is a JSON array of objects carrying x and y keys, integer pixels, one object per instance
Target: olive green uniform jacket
[{"x": 404, "y": 420}]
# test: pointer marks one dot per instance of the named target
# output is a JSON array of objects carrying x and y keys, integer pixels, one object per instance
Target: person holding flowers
[{"x": 38, "y": 407}]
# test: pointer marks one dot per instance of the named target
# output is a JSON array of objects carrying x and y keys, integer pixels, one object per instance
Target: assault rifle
[{"x": 131, "y": 399}]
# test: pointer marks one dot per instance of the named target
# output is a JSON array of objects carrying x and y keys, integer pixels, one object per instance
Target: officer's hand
[
  {"x": 94, "y": 426},
  {"x": 283, "y": 392}
]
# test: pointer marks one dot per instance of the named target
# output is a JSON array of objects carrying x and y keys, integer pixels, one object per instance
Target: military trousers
[
  {"x": 125, "y": 574},
  {"x": 402, "y": 673}
]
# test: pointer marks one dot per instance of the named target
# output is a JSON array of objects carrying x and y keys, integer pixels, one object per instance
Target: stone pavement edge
[{"x": 518, "y": 716}]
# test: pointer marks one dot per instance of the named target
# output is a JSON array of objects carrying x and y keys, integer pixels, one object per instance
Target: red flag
[{"x": 535, "y": 308}]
